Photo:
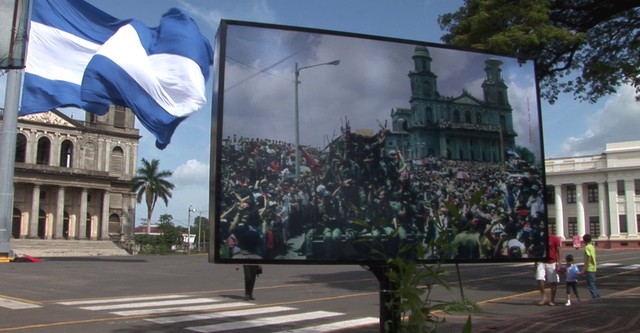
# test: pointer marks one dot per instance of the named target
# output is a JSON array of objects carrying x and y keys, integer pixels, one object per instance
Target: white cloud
[
  {"x": 192, "y": 172},
  {"x": 617, "y": 121}
]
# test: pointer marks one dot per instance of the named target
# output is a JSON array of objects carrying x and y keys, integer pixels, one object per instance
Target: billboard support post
[
  {"x": 460, "y": 281},
  {"x": 389, "y": 302}
]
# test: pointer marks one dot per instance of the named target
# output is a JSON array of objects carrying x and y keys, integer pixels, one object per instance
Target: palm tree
[{"x": 151, "y": 183}]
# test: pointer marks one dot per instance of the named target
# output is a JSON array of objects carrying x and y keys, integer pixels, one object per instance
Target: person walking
[
  {"x": 572, "y": 279},
  {"x": 251, "y": 272},
  {"x": 548, "y": 271},
  {"x": 590, "y": 266}
]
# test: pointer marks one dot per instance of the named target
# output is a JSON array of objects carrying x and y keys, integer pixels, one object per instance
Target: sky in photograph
[{"x": 359, "y": 84}]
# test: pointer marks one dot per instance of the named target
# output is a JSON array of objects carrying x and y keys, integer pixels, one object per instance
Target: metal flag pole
[
  {"x": 7, "y": 159},
  {"x": 17, "y": 38}
]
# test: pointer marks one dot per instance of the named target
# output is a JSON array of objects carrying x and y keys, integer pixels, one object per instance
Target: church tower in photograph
[{"x": 462, "y": 127}]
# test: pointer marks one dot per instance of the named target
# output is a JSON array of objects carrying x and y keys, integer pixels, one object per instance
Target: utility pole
[{"x": 189, "y": 229}]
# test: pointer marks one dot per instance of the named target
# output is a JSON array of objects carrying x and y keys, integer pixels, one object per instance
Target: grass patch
[{"x": 465, "y": 305}]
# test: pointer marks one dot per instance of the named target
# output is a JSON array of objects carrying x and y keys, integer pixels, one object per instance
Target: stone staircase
[{"x": 65, "y": 248}]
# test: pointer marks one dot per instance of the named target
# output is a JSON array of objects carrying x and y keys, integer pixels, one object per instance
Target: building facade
[
  {"x": 72, "y": 178},
  {"x": 598, "y": 195},
  {"x": 454, "y": 128}
]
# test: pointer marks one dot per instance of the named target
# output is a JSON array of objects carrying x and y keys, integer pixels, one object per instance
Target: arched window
[
  {"x": 42, "y": 224},
  {"x": 429, "y": 115},
  {"x": 88, "y": 226},
  {"x": 16, "y": 223},
  {"x": 500, "y": 98},
  {"x": 65, "y": 225},
  {"x": 44, "y": 151},
  {"x": 114, "y": 224},
  {"x": 427, "y": 89},
  {"x": 66, "y": 154},
  {"x": 116, "y": 165},
  {"x": 467, "y": 116},
  {"x": 456, "y": 116},
  {"x": 21, "y": 148}
]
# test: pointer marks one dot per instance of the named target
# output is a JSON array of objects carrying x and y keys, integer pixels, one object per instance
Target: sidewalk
[{"x": 618, "y": 310}]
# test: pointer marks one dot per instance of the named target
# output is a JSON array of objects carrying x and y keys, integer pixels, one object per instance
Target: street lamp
[
  {"x": 298, "y": 69},
  {"x": 189, "y": 229}
]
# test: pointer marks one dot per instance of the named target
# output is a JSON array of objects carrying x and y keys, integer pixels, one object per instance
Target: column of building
[
  {"x": 629, "y": 196},
  {"x": 602, "y": 217},
  {"x": 559, "y": 212},
  {"x": 104, "y": 230},
  {"x": 81, "y": 230},
  {"x": 59, "y": 219},
  {"x": 33, "y": 215},
  {"x": 613, "y": 210},
  {"x": 580, "y": 211}
]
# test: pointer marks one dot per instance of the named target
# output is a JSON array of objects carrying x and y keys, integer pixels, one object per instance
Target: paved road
[{"x": 187, "y": 294}]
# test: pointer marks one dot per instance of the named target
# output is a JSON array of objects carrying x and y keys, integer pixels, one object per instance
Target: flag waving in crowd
[{"x": 80, "y": 56}]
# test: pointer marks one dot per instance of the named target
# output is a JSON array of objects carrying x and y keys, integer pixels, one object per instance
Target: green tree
[
  {"x": 170, "y": 234},
  {"x": 151, "y": 183},
  {"x": 526, "y": 155},
  {"x": 587, "y": 48}
]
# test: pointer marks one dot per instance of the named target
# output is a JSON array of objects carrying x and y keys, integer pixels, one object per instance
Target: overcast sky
[{"x": 370, "y": 79}]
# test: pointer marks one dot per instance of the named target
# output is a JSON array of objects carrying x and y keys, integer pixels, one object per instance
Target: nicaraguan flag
[{"x": 80, "y": 56}]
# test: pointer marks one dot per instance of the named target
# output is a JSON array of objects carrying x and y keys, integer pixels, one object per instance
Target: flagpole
[{"x": 7, "y": 159}]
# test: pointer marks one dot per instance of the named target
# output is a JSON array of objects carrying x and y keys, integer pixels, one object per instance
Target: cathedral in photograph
[{"x": 454, "y": 128}]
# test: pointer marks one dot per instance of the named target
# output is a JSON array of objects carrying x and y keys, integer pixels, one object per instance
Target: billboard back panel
[{"x": 336, "y": 148}]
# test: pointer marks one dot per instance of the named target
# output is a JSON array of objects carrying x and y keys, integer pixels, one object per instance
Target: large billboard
[{"x": 338, "y": 148}]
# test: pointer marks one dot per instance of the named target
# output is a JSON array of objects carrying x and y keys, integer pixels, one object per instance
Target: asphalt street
[{"x": 185, "y": 293}]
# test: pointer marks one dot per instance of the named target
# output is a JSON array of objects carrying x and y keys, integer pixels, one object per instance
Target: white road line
[
  {"x": 610, "y": 264},
  {"x": 335, "y": 326},
  {"x": 180, "y": 309},
  {"x": 122, "y": 300},
  {"x": 150, "y": 304},
  {"x": 630, "y": 267},
  {"x": 264, "y": 321},
  {"x": 223, "y": 314},
  {"x": 16, "y": 305}
]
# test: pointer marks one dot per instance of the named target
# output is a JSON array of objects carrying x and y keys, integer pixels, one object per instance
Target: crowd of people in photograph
[{"x": 356, "y": 199}]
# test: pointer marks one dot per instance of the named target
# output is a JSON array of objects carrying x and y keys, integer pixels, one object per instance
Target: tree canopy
[{"x": 584, "y": 47}]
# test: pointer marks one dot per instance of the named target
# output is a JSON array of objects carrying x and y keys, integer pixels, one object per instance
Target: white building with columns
[
  {"x": 72, "y": 178},
  {"x": 598, "y": 195}
]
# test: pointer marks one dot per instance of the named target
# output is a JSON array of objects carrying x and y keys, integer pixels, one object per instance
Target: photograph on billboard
[{"x": 341, "y": 148}]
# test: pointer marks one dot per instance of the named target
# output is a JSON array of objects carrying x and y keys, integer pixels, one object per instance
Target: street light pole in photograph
[{"x": 298, "y": 69}]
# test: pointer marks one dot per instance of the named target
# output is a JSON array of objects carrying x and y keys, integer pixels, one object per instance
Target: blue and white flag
[{"x": 80, "y": 56}]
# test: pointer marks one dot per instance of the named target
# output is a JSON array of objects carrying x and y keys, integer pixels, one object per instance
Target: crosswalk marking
[
  {"x": 180, "y": 309},
  {"x": 122, "y": 300},
  {"x": 219, "y": 313},
  {"x": 216, "y": 315},
  {"x": 16, "y": 305},
  {"x": 263, "y": 321},
  {"x": 150, "y": 304},
  {"x": 330, "y": 327}
]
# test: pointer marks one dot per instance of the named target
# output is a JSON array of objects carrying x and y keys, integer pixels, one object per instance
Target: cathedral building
[
  {"x": 455, "y": 128},
  {"x": 72, "y": 178}
]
